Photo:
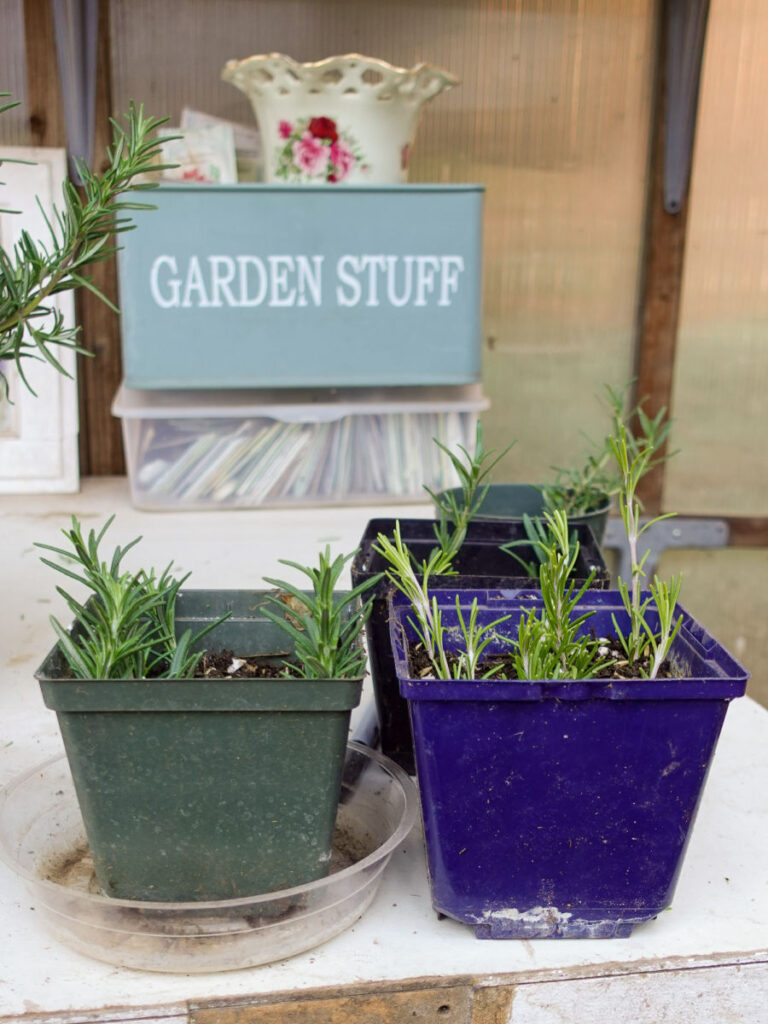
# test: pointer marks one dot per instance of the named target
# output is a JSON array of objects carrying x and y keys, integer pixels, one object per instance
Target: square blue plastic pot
[{"x": 562, "y": 809}]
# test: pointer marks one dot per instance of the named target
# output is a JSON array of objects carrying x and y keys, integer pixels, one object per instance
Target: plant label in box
[{"x": 278, "y": 286}]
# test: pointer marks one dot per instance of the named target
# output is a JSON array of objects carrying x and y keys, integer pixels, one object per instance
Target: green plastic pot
[
  {"x": 206, "y": 789},
  {"x": 510, "y": 502}
]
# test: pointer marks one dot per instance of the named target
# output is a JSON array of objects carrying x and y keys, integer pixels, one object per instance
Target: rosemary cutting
[
  {"x": 327, "y": 628},
  {"x": 34, "y": 272},
  {"x": 127, "y": 627}
]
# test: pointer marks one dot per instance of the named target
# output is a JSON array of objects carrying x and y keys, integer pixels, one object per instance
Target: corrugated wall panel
[
  {"x": 721, "y": 373},
  {"x": 13, "y": 126}
]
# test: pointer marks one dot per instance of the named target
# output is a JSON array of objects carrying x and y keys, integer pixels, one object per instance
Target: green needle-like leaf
[
  {"x": 325, "y": 635},
  {"x": 33, "y": 273},
  {"x": 126, "y": 629}
]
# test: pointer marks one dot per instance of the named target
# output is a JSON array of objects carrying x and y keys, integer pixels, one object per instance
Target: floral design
[
  {"x": 324, "y": 128},
  {"x": 315, "y": 149},
  {"x": 310, "y": 155}
]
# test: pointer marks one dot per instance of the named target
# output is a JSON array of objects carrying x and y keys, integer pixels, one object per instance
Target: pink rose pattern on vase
[
  {"x": 310, "y": 155},
  {"x": 316, "y": 149}
]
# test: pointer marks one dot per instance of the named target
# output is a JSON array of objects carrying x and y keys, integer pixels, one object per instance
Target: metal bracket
[
  {"x": 76, "y": 28},
  {"x": 669, "y": 533},
  {"x": 686, "y": 27}
]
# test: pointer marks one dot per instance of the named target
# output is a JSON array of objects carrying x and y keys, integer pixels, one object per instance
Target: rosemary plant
[
  {"x": 455, "y": 515},
  {"x": 585, "y": 488},
  {"x": 325, "y": 634},
  {"x": 467, "y": 661},
  {"x": 35, "y": 271},
  {"x": 550, "y": 646},
  {"x": 633, "y": 462},
  {"x": 665, "y": 597},
  {"x": 582, "y": 489},
  {"x": 476, "y": 639},
  {"x": 537, "y": 538},
  {"x": 127, "y": 628},
  {"x": 428, "y": 624},
  {"x": 408, "y": 581}
]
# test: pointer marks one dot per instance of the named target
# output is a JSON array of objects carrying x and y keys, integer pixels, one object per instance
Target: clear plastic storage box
[{"x": 201, "y": 449}]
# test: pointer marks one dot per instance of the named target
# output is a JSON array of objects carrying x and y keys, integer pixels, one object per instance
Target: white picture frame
[{"x": 38, "y": 433}]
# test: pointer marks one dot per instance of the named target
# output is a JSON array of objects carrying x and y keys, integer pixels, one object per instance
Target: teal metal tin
[{"x": 302, "y": 286}]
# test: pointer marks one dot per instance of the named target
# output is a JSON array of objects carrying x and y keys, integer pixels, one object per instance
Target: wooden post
[
  {"x": 46, "y": 114},
  {"x": 98, "y": 378}
]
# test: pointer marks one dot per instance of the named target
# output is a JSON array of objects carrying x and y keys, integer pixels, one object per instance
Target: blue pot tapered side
[{"x": 563, "y": 809}]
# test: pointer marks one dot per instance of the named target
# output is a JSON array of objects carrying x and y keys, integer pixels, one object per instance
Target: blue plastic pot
[{"x": 562, "y": 809}]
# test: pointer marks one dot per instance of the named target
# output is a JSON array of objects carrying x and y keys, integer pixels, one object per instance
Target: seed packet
[
  {"x": 202, "y": 155},
  {"x": 248, "y": 148}
]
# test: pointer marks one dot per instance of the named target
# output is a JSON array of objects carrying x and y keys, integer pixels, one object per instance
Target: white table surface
[{"x": 720, "y": 910}]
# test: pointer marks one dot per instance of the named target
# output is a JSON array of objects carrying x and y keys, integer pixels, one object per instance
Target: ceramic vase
[{"x": 347, "y": 119}]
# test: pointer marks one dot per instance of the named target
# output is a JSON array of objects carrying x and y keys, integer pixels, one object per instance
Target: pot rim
[{"x": 713, "y": 672}]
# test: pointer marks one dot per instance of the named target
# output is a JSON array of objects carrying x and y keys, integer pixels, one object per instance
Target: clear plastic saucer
[{"x": 43, "y": 840}]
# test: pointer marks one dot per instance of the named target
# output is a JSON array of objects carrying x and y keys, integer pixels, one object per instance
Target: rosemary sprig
[
  {"x": 585, "y": 488},
  {"x": 633, "y": 463},
  {"x": 537, "y": 540},
  {"x": 35, "y": 271},
  {"x": 634, "y": 456},
  {"x": 455, "y": 514},
  {"x": 665, "y": 597},
  {"x": 551, "y": 646},
  {"x": 401, "y": 572},
  {"x": 429, "y": 624},
  {"x": 643, "y": 642},
  {"x": 466, "y": 663},
  {"x": 326, "y": 636},
  {"x": 476, "y": 639},
  {"x": 127, "y": 628}
]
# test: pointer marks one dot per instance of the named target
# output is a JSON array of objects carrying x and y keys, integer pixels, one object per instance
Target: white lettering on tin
[
  {"x": 171, "y": 297},
  {"x": 247, "y": 281},
  {"x": 246, "y": 299}
]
